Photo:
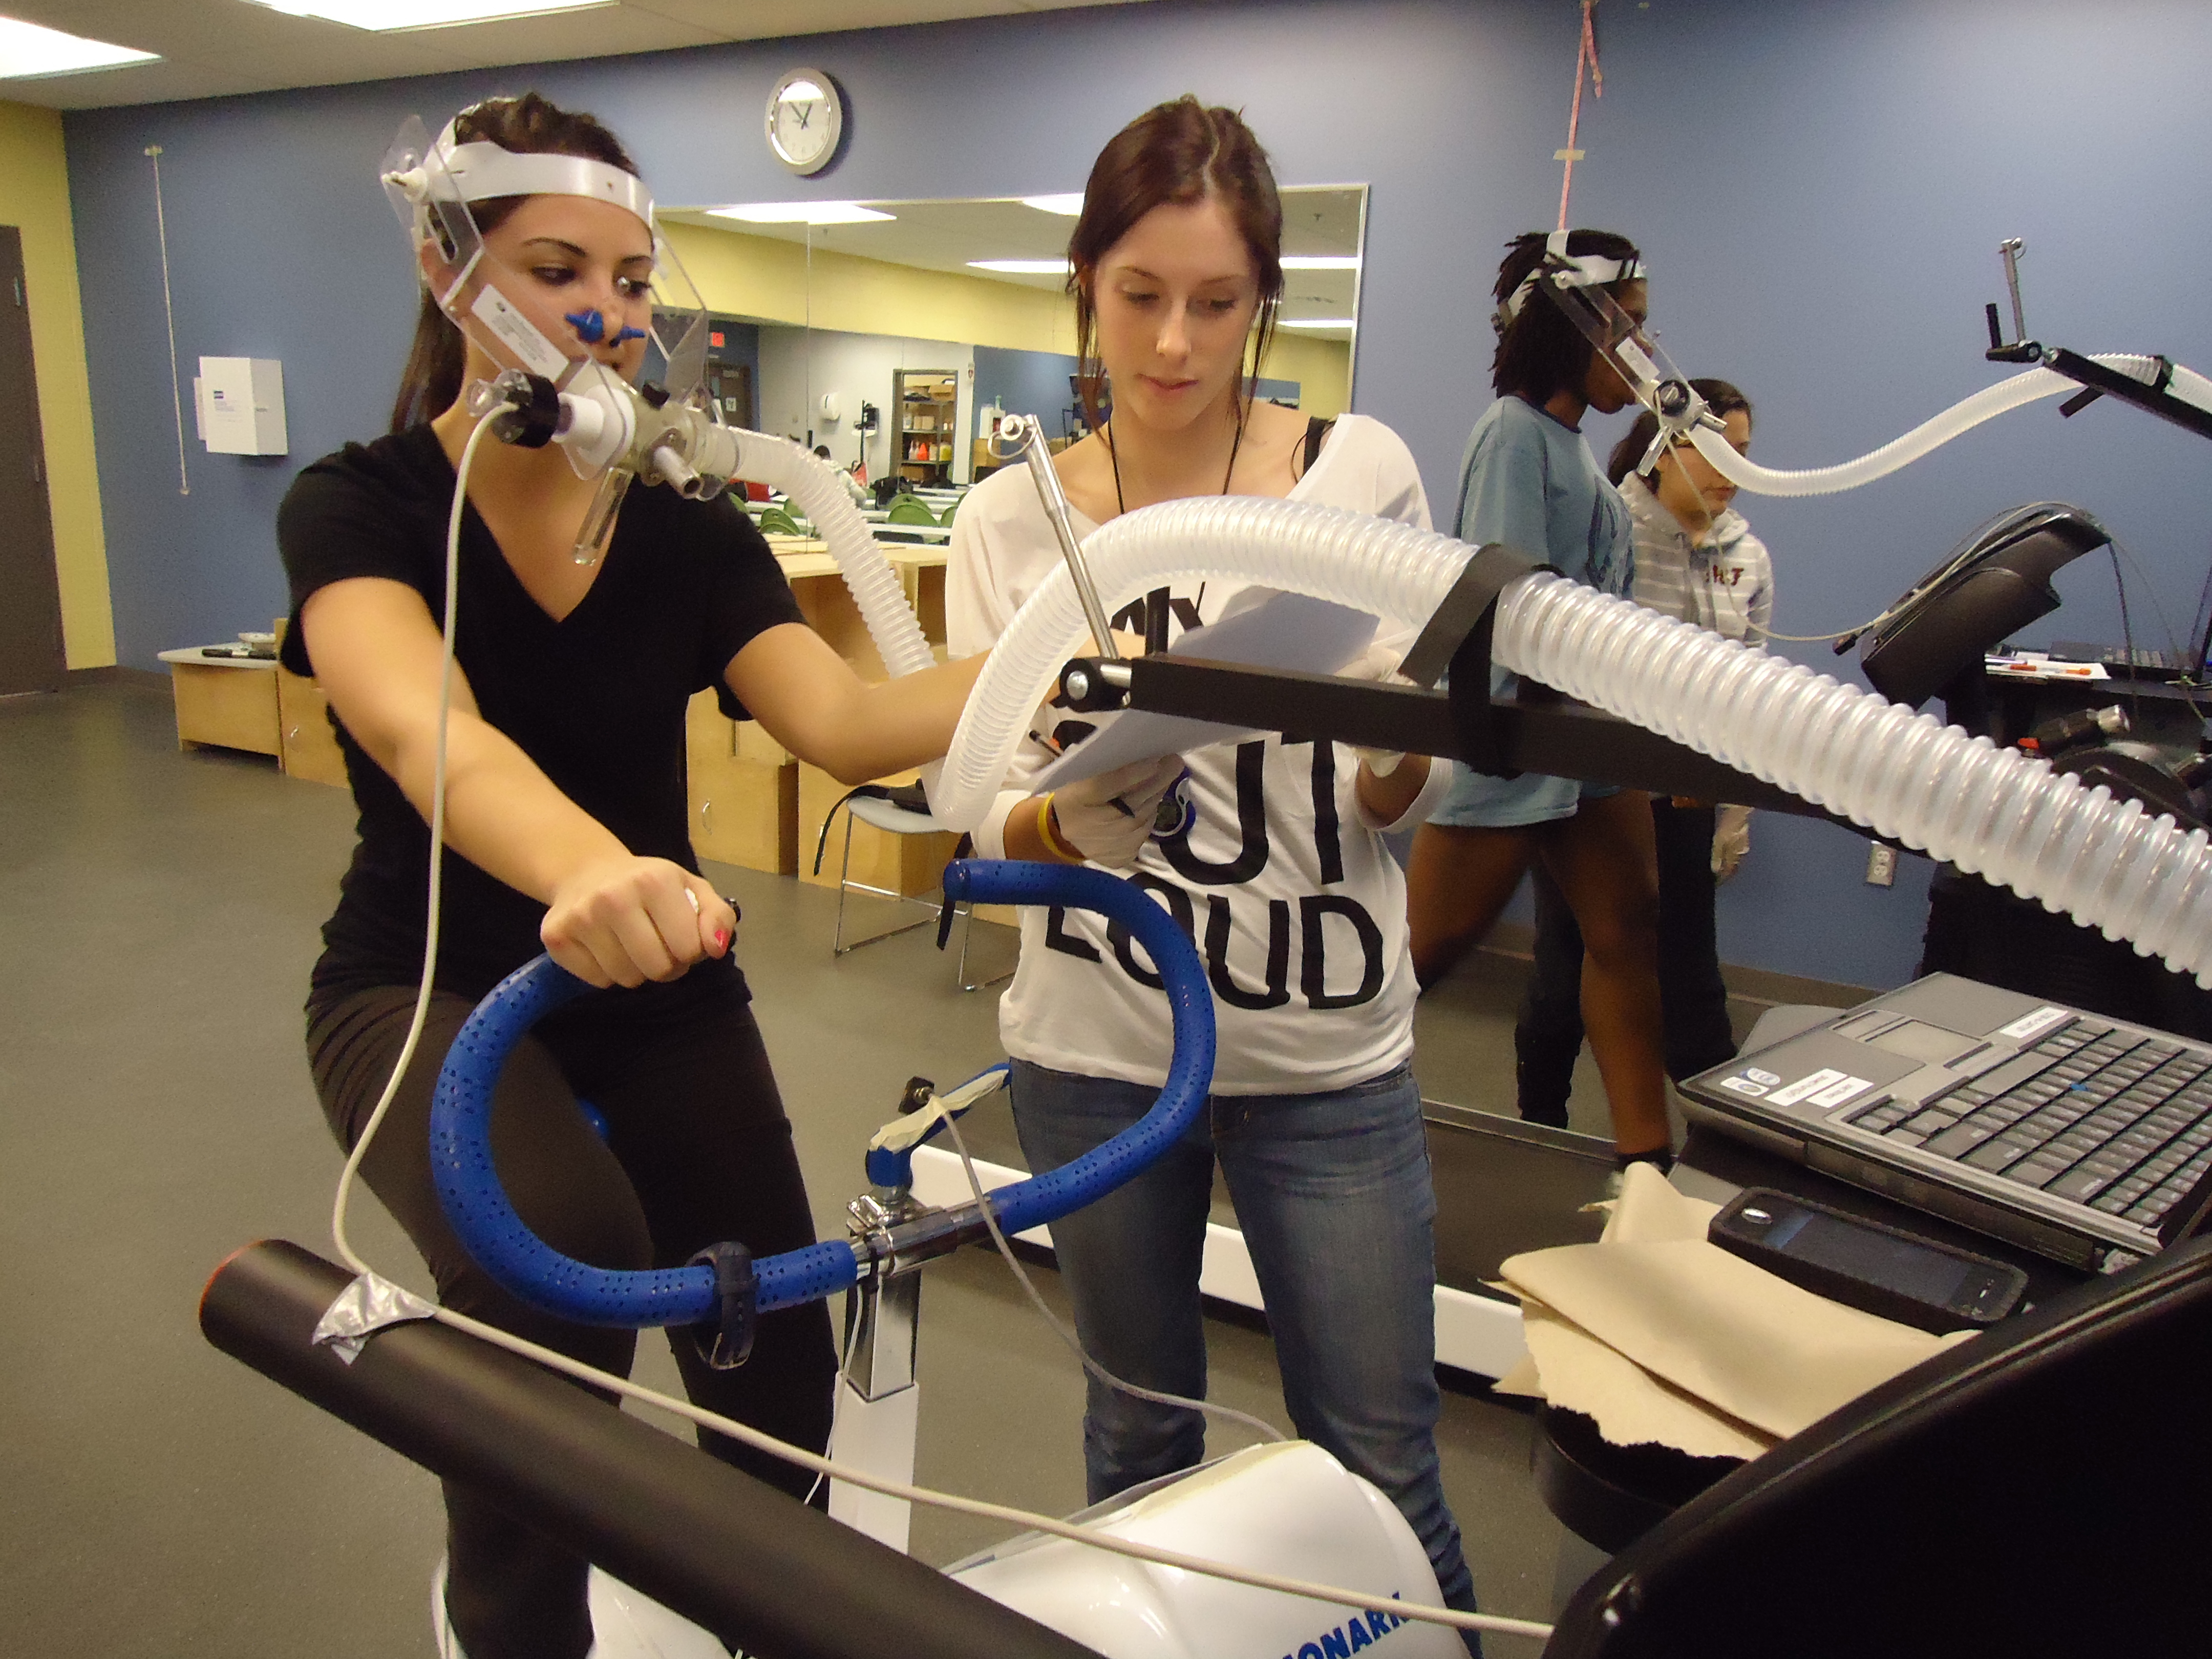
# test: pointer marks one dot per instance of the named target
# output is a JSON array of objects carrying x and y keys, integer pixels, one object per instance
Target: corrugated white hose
[
  {"x": 1394, "y": 570},
  {"x": 1962, "y": 417},
  {"x": 2108, "y": 863},
  {"x": 876, "y": 588}
]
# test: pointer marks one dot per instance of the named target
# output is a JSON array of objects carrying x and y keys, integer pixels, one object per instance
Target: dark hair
[
  {"x": 529, "y": 124},
  {"x": 1180, "y": 152},
  {"x": 1540, "y": 351},
  {"x": 1720, "y": 397}
]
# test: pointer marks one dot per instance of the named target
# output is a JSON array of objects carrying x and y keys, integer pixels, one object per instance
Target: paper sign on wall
[{"x": 239, "y": 405}]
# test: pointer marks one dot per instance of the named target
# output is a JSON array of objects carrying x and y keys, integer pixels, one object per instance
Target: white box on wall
[{"x": 241, "y": 404}]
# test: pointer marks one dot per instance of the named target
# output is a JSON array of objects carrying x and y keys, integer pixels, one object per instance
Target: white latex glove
[
  {"x": 1731, "y": 839},
  {"x": 1109, "y": 818},
  {"x": 1377, "y": 663}
]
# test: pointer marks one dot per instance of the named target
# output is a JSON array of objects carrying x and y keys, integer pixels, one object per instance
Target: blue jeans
[{"x": 1333, "y": 1194}]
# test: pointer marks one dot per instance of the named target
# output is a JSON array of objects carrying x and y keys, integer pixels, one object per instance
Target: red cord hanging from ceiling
[{"x": 1585, "y": 58}]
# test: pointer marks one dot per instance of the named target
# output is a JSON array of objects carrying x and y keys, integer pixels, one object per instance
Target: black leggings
[
  {"x": 1692, "y": 1000},
  {"x": 697, "y": 1151}
]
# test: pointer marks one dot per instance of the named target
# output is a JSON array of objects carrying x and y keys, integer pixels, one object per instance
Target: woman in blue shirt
[{"x": 1530, "y": 481}]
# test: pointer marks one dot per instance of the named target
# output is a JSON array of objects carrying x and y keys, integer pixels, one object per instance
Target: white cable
[
  {"x": 744, "y": 1434},
  {"x": 437, "y": 856},
  {"x": 1334, "y": 1594},
  {"x": 169, "y": 308},
  {"x": 1265, "y": 1429},
  {"x": 836, "y": 1405}
]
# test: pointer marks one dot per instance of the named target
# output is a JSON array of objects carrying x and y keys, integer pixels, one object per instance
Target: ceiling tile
[{"x": 215, "y": 47}]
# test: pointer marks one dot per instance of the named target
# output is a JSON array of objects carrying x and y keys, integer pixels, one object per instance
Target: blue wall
[
  {"x": 1026, "y": 383},
  {"x": 1820, "y": 190},
  {"x": 740, "y": 348}
]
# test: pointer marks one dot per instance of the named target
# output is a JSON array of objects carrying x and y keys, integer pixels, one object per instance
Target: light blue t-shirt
[{"x": 1531, "y": 483}]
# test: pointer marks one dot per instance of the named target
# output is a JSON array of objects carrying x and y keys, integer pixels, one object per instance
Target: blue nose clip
[{"x": 591, "y": 328}]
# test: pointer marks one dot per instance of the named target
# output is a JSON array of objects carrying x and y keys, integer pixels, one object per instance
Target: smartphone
[{"x": 1865, "y": 1265}]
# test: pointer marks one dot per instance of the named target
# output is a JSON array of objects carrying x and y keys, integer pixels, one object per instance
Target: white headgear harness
[
  {"x": 1564, "y": 269},
  {"x": 483, "y": 170}
]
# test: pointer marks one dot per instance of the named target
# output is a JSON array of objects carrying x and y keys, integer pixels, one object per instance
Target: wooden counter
[{"x": 228, "y": 702}]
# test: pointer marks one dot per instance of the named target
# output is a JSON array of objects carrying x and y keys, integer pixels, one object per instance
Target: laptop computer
[{"x": 2082, "y": 1138}]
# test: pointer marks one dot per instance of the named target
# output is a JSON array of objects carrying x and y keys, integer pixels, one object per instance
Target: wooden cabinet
[
  {"x": 743, "y": 791},
  {"x": 228, "y": 702},
  {"x": 306, "y": 746}
]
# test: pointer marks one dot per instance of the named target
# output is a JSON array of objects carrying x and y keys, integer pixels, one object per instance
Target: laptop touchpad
[{"x": 1928, "y": 1043}]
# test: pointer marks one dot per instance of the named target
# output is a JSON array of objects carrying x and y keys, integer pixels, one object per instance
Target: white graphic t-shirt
[{"x": 1298, "y": 907}]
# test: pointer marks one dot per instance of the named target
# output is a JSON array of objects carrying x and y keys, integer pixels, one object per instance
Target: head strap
[
  {"x": 1564, "y": 269},
  {"x": 482, "y": 170}
]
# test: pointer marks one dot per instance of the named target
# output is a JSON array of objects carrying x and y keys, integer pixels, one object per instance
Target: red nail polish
[{"x": 722, "y": 937}]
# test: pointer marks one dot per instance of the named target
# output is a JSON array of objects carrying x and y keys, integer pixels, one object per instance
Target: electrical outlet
[{"x": 1881, "y": 865}]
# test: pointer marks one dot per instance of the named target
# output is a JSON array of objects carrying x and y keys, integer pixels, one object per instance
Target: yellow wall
[
  {"x": 34, "y": 197},
  {"x": 1323, "y": 370},
  {"x": 767, "y": 278}
]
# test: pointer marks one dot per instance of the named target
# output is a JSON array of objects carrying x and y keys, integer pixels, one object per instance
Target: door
[
  {"x": 731, "y": 385},
  {"x": 30, "y": 594}
]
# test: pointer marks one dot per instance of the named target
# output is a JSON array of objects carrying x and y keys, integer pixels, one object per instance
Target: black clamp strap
[
  {"x": 1457, "y": 638},
  {"x": 948, "y": 906},
  {"x": 530, "y": 425},
  {"x": 728, "y": 1343}
]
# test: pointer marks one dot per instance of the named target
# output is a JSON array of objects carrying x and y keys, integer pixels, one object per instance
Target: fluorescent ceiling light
[
  {"x": 1316, "y": 322},
  {"x": 1320, "y": 262},
  {"x": 800, "y": 213},
  {"x": 1068, "y": 206},
  {"x": 1023, "y": 267},
  {"x": 28, "y": 51},
  {"x": 385, "y": 14}
]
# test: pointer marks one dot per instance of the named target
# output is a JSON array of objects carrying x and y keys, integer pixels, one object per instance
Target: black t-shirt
[{"x": 597, "y": 700}]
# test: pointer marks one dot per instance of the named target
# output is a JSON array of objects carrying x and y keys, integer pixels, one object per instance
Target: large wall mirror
[{"x": 889, "y": 334}]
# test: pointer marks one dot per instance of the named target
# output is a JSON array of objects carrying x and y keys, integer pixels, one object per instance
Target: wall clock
[{"x": 806, "y": 119}]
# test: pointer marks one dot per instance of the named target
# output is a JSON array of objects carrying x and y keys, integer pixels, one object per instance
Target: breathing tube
[
  {"x": 1962, "y": 417},
  {"x": 2108, "y": 863},
  {"x": 502, "y": 1243},
  {"x": 820, "y": 489},
  {"x": 1579, "y": 288}
]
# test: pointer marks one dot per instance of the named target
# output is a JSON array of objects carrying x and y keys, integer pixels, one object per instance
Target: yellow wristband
[{"x": 1052, "y": 843}]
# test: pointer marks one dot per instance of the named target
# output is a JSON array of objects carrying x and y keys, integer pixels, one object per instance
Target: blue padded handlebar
[{"x": 502, "y": 1244}]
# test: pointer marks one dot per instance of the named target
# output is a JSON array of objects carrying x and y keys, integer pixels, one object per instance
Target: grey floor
[{"x": 158, "y": 916}]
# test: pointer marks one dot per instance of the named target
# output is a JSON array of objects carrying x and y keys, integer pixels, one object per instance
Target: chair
[
  {"x": 951, "y": 508},
  {"x": 775, "y": 521},
  {"x": 911, "y": 509},
  {"x": 900, "y": 809},
  {"x": 2036, "y": 1491}
]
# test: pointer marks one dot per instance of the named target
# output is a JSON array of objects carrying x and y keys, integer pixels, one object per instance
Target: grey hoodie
[{"x": 1727, "y": 586}]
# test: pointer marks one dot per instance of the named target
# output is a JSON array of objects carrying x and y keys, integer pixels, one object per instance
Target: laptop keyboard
[{"x": 2116, "y": 1120}]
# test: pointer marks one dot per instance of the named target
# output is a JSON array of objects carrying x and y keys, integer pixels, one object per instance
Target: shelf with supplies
[{"x": 924, "y": 421}]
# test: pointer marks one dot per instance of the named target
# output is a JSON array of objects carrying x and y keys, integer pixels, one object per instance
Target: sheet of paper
[
  {"x": 1282, "y": 630},
  {"x": 2036, "y": 665},
  {"x": 1675, "y": 1315},
  {"x": 1630, "y": 1406}
]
